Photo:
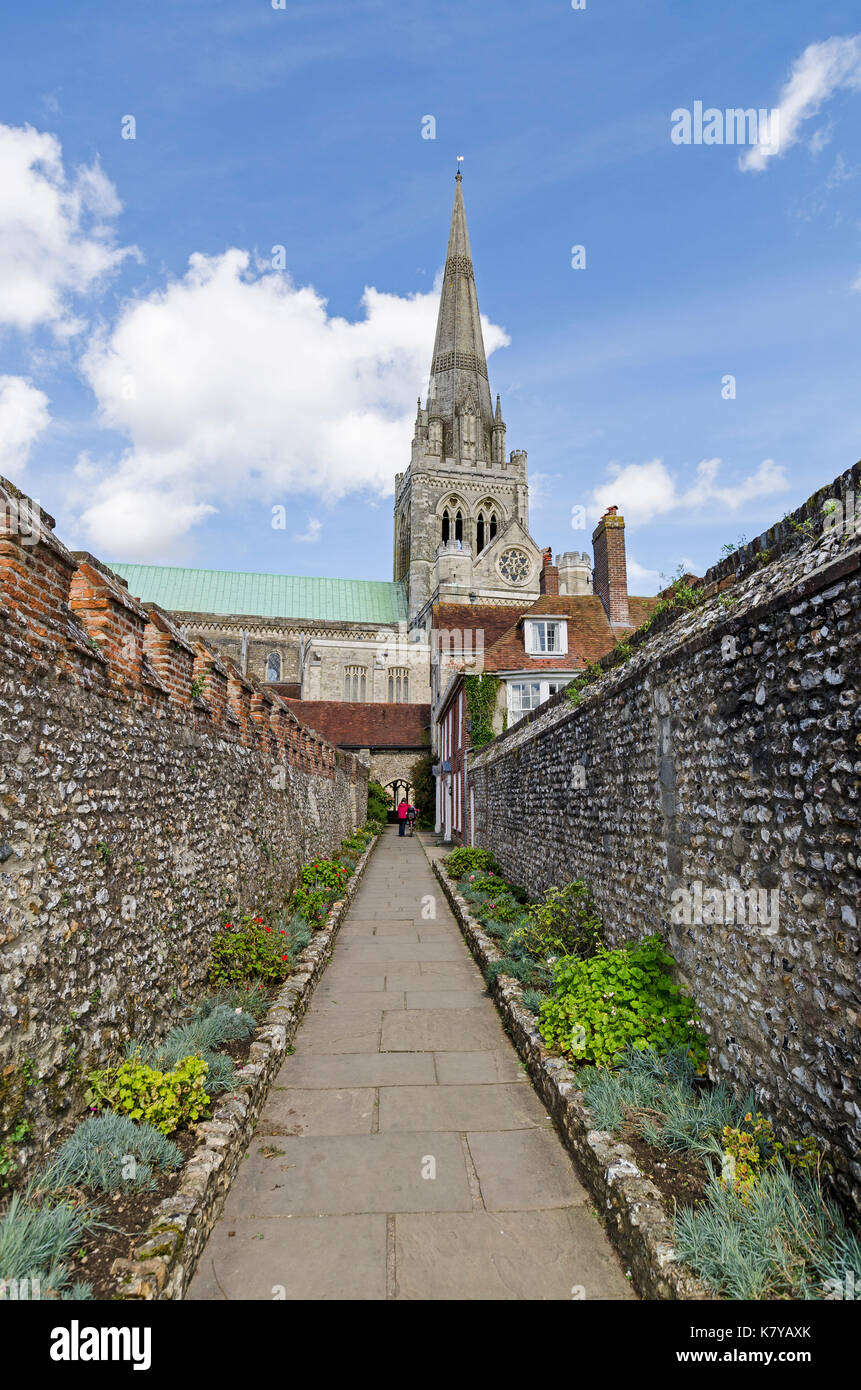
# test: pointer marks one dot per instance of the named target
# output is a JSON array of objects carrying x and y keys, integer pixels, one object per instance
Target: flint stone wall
[
  {"x": 148, "y": 792},
  {"x": 725, "y": 753}
]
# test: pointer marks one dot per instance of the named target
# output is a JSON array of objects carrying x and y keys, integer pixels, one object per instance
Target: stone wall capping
[
  {"x": 629, "y": 1205},
  {"x": 165, "y": 1259}
]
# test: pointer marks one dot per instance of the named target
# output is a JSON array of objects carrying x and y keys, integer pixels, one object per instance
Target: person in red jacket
[{"x": 402, "y": 816}]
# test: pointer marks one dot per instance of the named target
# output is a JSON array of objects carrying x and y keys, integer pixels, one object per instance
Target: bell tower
[{"x": 461, "y": 508}]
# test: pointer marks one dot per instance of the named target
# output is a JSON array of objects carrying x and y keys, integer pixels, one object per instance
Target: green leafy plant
[
  {"x": 468, "y": 859},
  {"x": 481, "y": 695},
  {"x": 14, "y": 1138},
  {"x": 249, "y": 951},
  {"x": 164, "y": 1099},
  {"x": 618, "y": 998},
  {"x": 564, "y": 924}
]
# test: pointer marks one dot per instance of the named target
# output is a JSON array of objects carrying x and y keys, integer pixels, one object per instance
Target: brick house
[{"x": 533, "y": 658}]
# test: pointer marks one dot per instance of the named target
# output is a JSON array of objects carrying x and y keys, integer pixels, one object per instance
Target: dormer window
[{"x": 546, "y": 636}]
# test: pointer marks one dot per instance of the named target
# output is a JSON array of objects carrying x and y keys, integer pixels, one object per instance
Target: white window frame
[
  {"x": 532, "y": 641},
  {"x": 543, "y": 693}
]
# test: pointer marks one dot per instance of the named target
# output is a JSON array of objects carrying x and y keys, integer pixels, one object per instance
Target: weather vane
[{"x": 459, "y": 162}]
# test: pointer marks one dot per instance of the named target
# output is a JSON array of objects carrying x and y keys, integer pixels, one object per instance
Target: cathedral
[{"x": 365, "y": 663}]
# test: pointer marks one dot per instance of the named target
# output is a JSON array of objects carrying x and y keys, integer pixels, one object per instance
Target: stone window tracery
[{"x": 514, "y": 565}]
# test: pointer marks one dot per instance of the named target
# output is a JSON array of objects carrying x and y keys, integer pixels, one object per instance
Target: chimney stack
[
  {"x": 548, "y": 580},
  {"x": 610, "y": 576}
]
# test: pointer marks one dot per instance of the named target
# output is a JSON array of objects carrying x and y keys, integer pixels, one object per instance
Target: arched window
[
  {"x": 492, "y": 525},
  {"x": 458, "y": 528},
  {"x": 273, "y": 666},
  {"x": 446, "y": 526},
  {"x": 479, "y": 533},
  {"x": 399, "y": 685},
  {"x": 355, "y": 683}
]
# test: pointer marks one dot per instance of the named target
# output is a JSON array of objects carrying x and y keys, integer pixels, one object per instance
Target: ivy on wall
[{"x": 480, "y": 694}]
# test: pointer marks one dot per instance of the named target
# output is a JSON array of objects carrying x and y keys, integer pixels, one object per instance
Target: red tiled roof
[
  {"x": 352, "y": 724},
  {"x": 492, "y": 620},
  {"x": 590, "y": 635}
]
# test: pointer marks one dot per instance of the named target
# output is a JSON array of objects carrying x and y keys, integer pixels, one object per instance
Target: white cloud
[
  {"x": 23, "y": 417},
  {"x": 642, "y": 580},
  {"x": 646, "y": 490},
  {"x": 56, "y": 237},
  {"x": 856, "y": 283},
  {"x": 313, "y": 531},
  {"x": 823, "y": 69},
  {"x": 234, "y": 383}
]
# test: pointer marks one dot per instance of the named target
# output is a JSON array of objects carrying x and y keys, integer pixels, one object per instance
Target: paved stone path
[{"x": 402, "y": 1152}]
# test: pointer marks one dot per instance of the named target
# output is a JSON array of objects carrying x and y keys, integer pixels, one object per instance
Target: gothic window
[
  {"x": 446, "y": 526},
  {"x": 492, "y": 525},
  {"x": 273, "y": 667},
  {"x": 479, "y": 533},
  {"x": 399, "y": 685},
  {"x": 355, "y": 683},
  {"x": 515, "y": 565},
  {"x": 458, "y": 528}
]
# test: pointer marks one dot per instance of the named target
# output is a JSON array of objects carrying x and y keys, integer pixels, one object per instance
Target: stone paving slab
[
  {"x": 510, "y": 1255},
  {"x": 289, "y": 1110},
  {"x": 460, "y": 1108},
  {"x": 445, "y": 998},
  {"x": 478, "y": 1068},
  {"x": 329, "y": 1257},
  {"x": 442, "y": 1030},
  {"x": 402, "y": 1152},
  {"x": 524, "y": 1170},
  {"x": 337, "y": 1174},
  {"x": 359, "y": 1069}
]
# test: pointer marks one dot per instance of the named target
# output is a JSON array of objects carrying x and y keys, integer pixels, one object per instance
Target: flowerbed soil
[
  {"x": 124, "y": 1219},
  {"x": 679, "y": 1177}
]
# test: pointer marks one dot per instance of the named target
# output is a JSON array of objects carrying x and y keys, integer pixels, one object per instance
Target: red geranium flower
[{"x": 283, "y": 957}]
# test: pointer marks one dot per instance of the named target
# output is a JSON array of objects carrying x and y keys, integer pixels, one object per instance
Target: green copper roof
[{"x": 266, "y": 595}]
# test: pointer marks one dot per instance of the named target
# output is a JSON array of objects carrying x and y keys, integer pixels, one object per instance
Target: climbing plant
[{"x": 480, "y": 703}]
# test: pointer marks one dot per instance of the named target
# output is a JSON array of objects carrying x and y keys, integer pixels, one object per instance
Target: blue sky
[{"x": 161, "y": 412}]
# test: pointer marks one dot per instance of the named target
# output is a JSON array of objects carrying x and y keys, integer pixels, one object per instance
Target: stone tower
[{"x": 462, "y": 509}]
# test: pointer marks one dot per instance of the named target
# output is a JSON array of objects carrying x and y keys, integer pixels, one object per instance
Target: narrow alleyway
[{"x": 402, "y": 1153}]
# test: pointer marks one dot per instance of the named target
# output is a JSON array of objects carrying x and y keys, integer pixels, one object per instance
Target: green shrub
[
  {"x": 565, "y": 924},
  {"x": 501, "y": 908},
  {"x": 378, "y": 802},
  {"x": 201, "y": 1037},
  {"x": 248, "y": 951},
  {"x": 110, "y": 1151},
  {"x": 327, "y": 874},
  {"x": 617, "y": 999},
  {"x": 467, "y": 860},
  {"x": 164, "y": 1099}
]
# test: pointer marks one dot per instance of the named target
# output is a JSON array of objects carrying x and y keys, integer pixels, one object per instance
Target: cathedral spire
[{"x": 459, "y": 366}]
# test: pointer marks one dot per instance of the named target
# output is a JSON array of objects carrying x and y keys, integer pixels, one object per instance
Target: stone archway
[{"x": 398, "y": 788}]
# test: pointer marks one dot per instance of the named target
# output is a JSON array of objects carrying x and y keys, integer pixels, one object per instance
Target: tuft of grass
[
  {"x": 780, "y": 1238},
  {"x": 35, "y": 1237},
  {"x": 110, "y": 1151}
]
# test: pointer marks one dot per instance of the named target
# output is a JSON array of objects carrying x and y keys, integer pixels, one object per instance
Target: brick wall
[
  {"x": 148, "y": 792},
  {"x": 724, "y": 753}
]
